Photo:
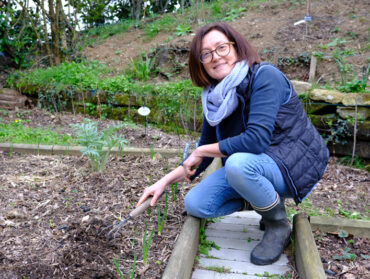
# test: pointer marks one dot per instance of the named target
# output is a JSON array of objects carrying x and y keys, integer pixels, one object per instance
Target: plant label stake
[{"x": 144, "y": 111}]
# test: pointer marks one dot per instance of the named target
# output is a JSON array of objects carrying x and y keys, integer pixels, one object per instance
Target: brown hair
[{"x": 243, "y": 48}]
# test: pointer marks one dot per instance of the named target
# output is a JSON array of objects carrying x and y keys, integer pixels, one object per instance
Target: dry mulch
[
  {"x": 344, "y": 257},
  {"x": 53, "y": 209}
]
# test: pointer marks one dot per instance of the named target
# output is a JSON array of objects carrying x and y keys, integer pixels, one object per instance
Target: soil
[
  {"x": 54, "y": 210},
  {"x": 344, "y": 257}
]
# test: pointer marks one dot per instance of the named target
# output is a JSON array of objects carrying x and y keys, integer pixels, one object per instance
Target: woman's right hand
[{"x": 155, "y": 190}]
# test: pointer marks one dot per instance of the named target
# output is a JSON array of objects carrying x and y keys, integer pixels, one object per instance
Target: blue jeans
[{"x": 253, "y": 177}]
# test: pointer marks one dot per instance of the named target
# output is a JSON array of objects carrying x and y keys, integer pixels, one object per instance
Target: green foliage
[
  {"x": 142, "y": 67},
  {"x": 182, "y": 30},
  {"x": 17, "y": 38},
  {"x": 358, "y": 162},
  {"x": 234, "y": 14},
  {"x": 105, "y": 31},
  {"x": 98, "y": 144},
  {"x": 16, "y": 132},
  {"x": 339, "y": 131},
  {"x": 79, "y": 75}
]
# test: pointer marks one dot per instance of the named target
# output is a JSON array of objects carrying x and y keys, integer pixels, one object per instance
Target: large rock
[
  {"x": 363, "y": 99},
  {"x": 345, "y": 112},
  {"x": 329, "y": 96},
  {"x": 301, "y": 86}
]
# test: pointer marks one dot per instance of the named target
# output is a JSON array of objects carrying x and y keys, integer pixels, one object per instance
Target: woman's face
[{"x": 220, "y": 66}]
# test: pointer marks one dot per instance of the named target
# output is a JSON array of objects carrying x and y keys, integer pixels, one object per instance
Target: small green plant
[
  {"x": 346, "y": 255},
  {"x": 51, "y": 224},
  {"x": 146, "y": 243},
  {"x": 205, "y": 245},
  {"x": 119, "y": 271},
  {"x": 98, "y": 144},
  {"x": 160, "y": 221},
  {"x": 174, "y": 190},
  {"x": 182, "y": 30}
]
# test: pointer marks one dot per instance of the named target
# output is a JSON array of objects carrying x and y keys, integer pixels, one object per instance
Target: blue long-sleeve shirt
[{"x": 270, "y": 90}]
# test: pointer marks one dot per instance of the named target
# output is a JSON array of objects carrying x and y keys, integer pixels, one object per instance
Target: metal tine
[{"x": 116, "y": 228}]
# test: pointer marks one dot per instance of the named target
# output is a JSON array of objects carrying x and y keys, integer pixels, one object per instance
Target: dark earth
[{"x": 53, "y": 209}]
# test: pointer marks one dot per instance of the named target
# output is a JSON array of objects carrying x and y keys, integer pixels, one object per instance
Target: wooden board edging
[
  {"x": 360, "y": 228},
  {"x": 180, "y": 264},
  {"x": 75, "y": 150},
  {"x": 307, "y": 258}
]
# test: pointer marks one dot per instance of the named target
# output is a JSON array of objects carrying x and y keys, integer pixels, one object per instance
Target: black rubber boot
[
  {"x": 262, "y": 223},
  {"x": 276, "y": 236}
]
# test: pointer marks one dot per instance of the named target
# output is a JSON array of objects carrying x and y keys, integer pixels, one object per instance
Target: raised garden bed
[{"x": 53, "y": 209}]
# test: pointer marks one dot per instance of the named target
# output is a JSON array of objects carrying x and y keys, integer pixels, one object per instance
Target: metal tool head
[{"x": 115, "y": 229}]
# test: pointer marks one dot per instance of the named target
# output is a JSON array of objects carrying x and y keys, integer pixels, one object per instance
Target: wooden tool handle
[{"x": 137, "y": 211}]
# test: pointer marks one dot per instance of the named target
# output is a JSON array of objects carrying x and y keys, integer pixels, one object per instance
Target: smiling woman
[{"x": 254, "y": 121}]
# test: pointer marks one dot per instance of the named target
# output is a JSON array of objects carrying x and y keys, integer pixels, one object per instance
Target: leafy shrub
[{"x": 98, "y": 144}]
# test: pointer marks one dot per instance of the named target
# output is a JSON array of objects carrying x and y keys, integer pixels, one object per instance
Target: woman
[{"x": 254, "y": 120}]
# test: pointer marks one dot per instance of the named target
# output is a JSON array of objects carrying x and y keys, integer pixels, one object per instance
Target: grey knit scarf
[{"x": 220, "y": 101}]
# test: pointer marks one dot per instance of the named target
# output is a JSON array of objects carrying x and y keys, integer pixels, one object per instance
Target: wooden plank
[
  {"x": 233, "y": 243},
  {"x": 208, "y": 274},
  {"x": 246, "y": 214},
  {"x": 307, "y": 257},
  {"x": 231, "y": 227},
  {"x": 240, "y": 220},
  {"x": 243, "y": 267},
  {"x": 251, "y": 233},
  {"x": 240, "y": 255},
  {"x": 359, "y": 228},
  {"x": 181, "y": 262}
]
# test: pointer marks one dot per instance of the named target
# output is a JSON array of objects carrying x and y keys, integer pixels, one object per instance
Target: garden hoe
[{"x": 137, "y": 211}]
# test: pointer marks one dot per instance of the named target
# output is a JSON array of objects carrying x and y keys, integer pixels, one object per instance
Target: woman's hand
[
  {"x": 157, "y": 188},
  {"x": 190, "y": 165}
]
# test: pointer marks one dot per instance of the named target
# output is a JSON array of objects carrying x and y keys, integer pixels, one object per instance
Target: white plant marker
[{"x": 144, "y": 111}]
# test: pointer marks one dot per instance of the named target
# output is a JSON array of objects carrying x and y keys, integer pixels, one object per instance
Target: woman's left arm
[{"x": 269, "y": 91}]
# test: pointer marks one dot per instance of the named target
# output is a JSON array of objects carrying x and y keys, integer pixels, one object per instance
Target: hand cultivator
[
  {"x": 137, "y": 211},
  {"x": 134, "y": 213}
]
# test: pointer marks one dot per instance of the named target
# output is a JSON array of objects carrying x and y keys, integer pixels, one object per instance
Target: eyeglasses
[{"x": 221, "y": 50}]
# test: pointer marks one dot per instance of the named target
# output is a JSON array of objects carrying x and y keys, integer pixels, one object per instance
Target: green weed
[{"x": 219, "y": 269}]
